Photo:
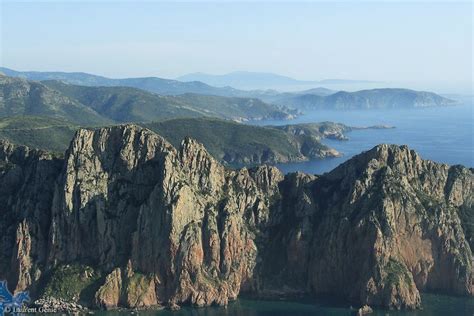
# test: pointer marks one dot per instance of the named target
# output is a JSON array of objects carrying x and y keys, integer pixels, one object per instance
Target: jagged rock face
[
  {"x": 177, "y": 214},
  {"x": 108, "y": 175},
  {"x": 413, "y": 206},
  {"x": 377, "y": 229},
  {"x": 172, "y": 226},
  {"x": 26, "y": 181}
]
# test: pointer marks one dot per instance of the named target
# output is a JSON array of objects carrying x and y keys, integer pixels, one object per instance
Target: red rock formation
[{"x": 172, "y": 226}]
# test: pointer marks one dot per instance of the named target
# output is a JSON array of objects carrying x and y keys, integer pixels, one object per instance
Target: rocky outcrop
[
  {"x": 364, "y": 310},
  {"x": 124, "y": 287},
  {"x": 167, "y": 226},
  {"x": 26, "y": 182},
  {"x": 377, "y": 230},
  {"x": 53, "y": 305}
]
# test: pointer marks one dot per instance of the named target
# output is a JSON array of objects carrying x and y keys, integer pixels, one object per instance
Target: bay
[{"x": 442, "y": 134}]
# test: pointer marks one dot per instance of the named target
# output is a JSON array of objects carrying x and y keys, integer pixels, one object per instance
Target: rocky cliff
[
  {"x": 377, "y": 230},
  {"x": 126, "y": 219}
]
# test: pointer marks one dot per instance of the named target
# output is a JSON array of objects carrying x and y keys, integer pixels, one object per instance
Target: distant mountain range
[
  {"x": 313, "y": 99},
  {"x": 258, "y": 80},
  {"x": 152, "y": 84},
  {"x": 364, "y": 100},
  {"x": 23, "y": 97},
  {"x": 87, "y": 105}
]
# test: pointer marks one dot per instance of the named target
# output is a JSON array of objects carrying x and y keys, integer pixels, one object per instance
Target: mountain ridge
[
  {"x": 145, "y": 224},
  {"x": 316, "y": 98},
  {"x": 250, "y": 80},
  {"x": 20, "y": 97},
  {"x": 229, "y": 142},
  {"x": 152, "y": 84},
  {"x": 92, "y": 105},
  {"x": 385, "y": 98}
]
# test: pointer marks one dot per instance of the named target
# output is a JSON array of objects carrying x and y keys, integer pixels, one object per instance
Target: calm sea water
[
  {"x": 440, "y": 134},
  {"x": 433, "y": 305}
]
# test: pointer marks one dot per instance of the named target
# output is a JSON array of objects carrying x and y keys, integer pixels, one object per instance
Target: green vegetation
[
  {"x": 71, "y": 282},
  {"x": 38, "y": 132},
  {"x": 235, "y": 108},
  {"x": 238, "y": 143},
  {"x": 137, "y": 282},
  {"x": 365, "y": 99},
  {"x": 319, "y": 130},
  {"x": 152, "y": 84},
  {"x": 21, "y": 97},
  {"x": 137, "y": 286},
  {"x": 318, "y": 98},
  {"x": 94, "y": 106},
  {"x": 227, "y": 141},
  {"x": 123, "y": 104},
  {"x": 396, "y": 272},
  {"x": 466, "y": 214}
]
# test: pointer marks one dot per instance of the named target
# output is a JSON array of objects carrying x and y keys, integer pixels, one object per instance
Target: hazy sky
[{"x": 390, "y": 41}]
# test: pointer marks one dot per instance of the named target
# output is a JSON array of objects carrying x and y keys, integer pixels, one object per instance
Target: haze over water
[{"x": 443, "y": 134}]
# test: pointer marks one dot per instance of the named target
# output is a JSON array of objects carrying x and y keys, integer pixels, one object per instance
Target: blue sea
[
  {"x": 433, "y": 305},
  {"x": 443, "y": 134}
]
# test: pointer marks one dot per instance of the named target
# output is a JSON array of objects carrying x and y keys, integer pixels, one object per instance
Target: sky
[{"x": 427, "y": 44}]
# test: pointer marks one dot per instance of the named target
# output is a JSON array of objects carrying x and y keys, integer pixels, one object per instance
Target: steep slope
[
  {"x": 144, "y": 223},
  {"x": 22, "y": 97},
  {"x": 92, "y": 106},
  {"x": 318, "y": 130},
  {"x": 124, "y": 104},
  {"x": 227, "y": 141},
  {"x": 38, "y": 132},
  {"x": 365, "y": 99},
  {"x": 231, "y": 142},
  {"x": 239, "y": 109},
  {"x": 27, "y": 187},
  {"x": 150, "y": 186},
  {"x": 377, "y": 230}
]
